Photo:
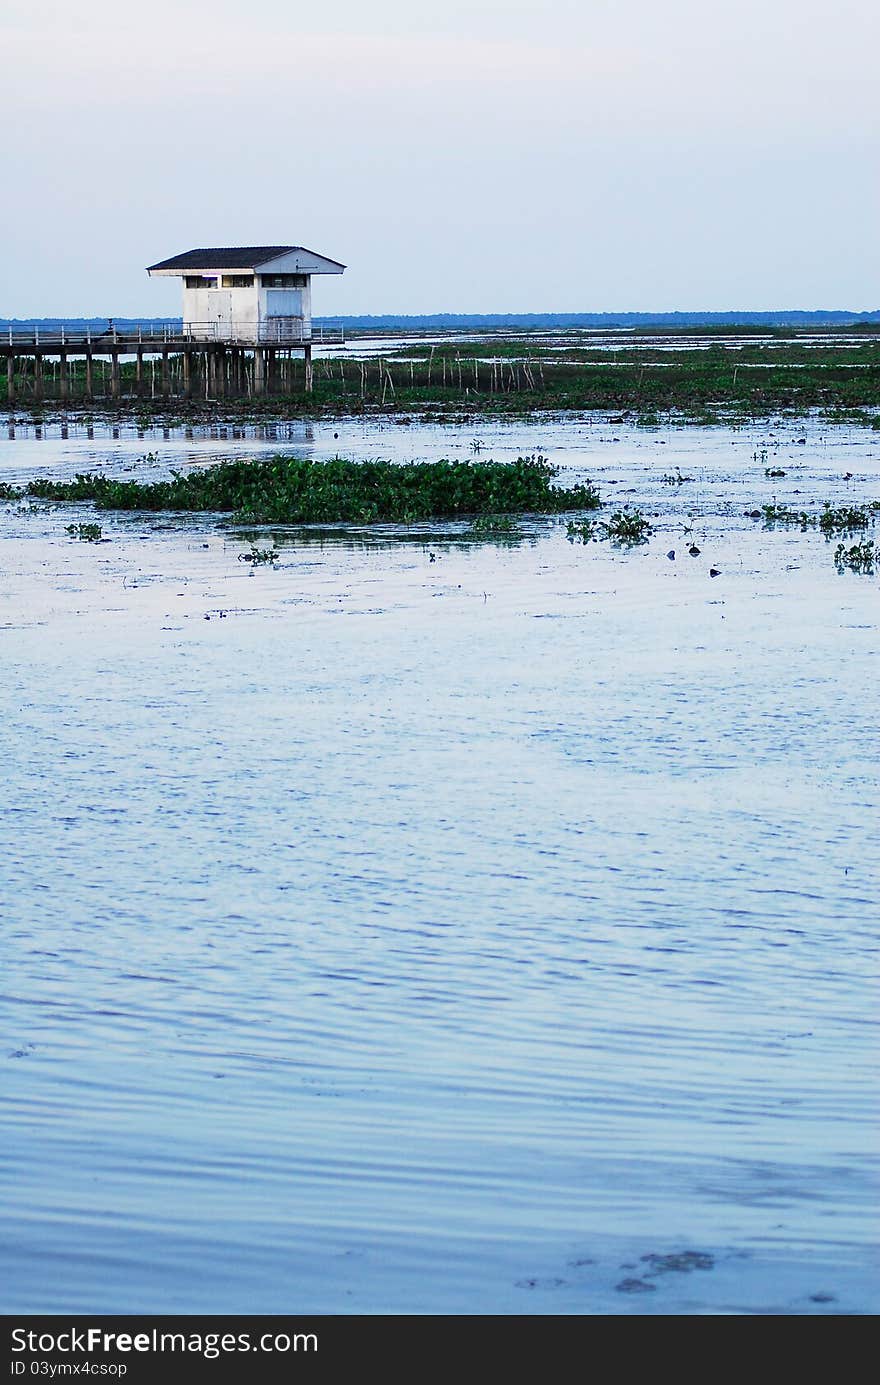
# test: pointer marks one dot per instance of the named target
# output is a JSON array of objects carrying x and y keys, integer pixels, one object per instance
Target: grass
[{"x": 295, "y": 490}]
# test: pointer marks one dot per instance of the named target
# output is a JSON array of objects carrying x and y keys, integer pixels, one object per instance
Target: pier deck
[{"x": 53, "y": 361}]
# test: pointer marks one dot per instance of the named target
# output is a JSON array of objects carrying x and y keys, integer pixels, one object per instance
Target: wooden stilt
[
  {"x": 187, "y": 375},
  {"x": 10, "y": 379},
  {"x": 62, "y": 375},
  {"x": 38, "y": 376},
  {"x": 90, "y": 390},
  {"x": 259, "y": 370},
  {"x": 139, "y": 373},
  {"x": 166, "y": 377},
  {"x": 309, "y": 376},
  {"x": 115, "y": 389}
]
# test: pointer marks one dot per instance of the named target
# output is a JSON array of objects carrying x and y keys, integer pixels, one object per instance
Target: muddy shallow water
[{"x": 423, "y": 925}]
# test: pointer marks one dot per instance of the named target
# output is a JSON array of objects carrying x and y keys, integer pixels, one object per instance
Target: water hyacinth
[{"x": 296, "y": 490}]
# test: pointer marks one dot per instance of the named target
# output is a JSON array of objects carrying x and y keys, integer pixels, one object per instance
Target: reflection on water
[{"x": 428, "y": 925}]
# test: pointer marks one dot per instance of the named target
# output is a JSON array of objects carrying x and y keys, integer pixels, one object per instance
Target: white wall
[
  {"x": 235, "y": 309},
  {"x": 227, "y": 312}
]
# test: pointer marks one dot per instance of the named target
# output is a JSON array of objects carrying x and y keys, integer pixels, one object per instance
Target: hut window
[
  {"x": 283, "y": 281},
  {"x": 201, "y": 281},
  {"x": 238, "y": 281}
]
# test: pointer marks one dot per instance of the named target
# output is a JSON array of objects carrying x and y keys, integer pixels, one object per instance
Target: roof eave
[
  {"x": 155, "y": 272},
  {"x": 169, "y": 269},
  {"x": 338, "y": 269}
]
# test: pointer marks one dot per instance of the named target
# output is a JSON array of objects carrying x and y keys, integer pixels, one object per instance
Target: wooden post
[
  {"x": 259, "y": 370},
  {"x": 89, "y": 382},
  {"x": 38, "y": 375},
  {"x": 166, "y": 376},
  {"x": 114, "y": 374},
  {"x": 139, "y": 373},
  {"x": 10, "y": 379},
  {"x": 62, "y": 375},
  {"x": 309, "y": 377},
  {"x": 187, "y": 376}
]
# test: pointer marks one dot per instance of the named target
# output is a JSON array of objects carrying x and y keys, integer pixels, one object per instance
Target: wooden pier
[{"x": 169, "y": 362}]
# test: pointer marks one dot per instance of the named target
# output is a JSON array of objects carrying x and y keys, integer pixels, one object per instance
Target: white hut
[{"x": 248, "y": 294}]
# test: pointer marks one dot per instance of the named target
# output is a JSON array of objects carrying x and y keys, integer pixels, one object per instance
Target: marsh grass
[
  {"x": 524, "y": 372},
  {"x": 520, "y": 373},
  {"x": 296, "y": 490}
]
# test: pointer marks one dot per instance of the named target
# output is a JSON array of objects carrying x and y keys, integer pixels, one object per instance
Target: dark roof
[{"x": 226, "y": 257}]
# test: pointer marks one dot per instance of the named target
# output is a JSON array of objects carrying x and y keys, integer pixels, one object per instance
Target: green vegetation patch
[
  {"x": 257, "y": 556},
  {"x": 294, "y": 490},
  {"x": 839, "y": 519},
  {"x": 860, "y": 557},
  {"x": 846, "y": 519},
  {"x": 625, "y": 529},
  {"x": 494, "y": 526},
  {"x": 775, "y": 515},
  {"x": 86, "y": 533}
]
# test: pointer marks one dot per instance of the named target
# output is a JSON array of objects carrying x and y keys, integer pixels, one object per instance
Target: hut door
[{"x": 223, "y": 313}]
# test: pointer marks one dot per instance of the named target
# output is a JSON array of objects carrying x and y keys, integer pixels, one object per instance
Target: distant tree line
[
  {"x": 770, "y": 318},
  {"x": 383, "y": 322}
]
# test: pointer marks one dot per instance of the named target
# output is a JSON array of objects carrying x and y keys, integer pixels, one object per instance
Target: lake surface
[{"x": 427, "y": 925}]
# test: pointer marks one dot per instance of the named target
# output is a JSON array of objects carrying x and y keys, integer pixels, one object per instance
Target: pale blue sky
[{"x": 495, "y": 156}]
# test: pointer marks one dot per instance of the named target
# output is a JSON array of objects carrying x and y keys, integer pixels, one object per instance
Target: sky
[{"x": 475, "y": 156}]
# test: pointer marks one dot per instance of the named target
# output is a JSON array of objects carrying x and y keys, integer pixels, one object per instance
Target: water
[{"x": 423, "y": 925}]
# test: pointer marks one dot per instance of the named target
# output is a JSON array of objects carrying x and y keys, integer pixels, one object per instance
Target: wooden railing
[
  {"x": 51, "y": 336},
  {"x": 271, "y": 330}
]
